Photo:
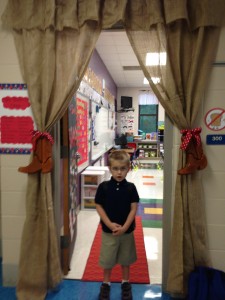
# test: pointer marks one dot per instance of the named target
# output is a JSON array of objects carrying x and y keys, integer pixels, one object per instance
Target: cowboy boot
[
  {"x": 195, "y": 158},
  {"x": 47, "y": 161},
  {"x": 35, "y": 164},
  {"x": 201, "y": 156}
]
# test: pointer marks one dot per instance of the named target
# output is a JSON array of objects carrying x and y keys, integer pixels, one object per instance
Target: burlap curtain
[
  {"x": 54, "y": 40},
  {"x": 187, "y": 32}
]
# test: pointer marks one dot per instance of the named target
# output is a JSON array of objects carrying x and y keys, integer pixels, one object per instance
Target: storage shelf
[
  {"x": 88, "y": 189},
  {"x": 148, "y": 158},
  {"x": 146, "y": 147}
]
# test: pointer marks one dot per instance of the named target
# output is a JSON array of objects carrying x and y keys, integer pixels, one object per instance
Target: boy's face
[{"x": 119, "y": 170}]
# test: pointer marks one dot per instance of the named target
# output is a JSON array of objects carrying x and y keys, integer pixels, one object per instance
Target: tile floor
[{"x": 88, "y": 222}]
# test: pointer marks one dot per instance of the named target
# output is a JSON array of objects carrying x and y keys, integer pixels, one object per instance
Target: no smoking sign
[{"x": 215, "y": 119}]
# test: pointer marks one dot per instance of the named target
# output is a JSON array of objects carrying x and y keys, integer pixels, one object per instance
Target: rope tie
[{"x": 188, "y": 134}]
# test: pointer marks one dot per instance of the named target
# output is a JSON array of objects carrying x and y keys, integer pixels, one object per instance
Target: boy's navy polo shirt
[{"x": 116, "y": 198}]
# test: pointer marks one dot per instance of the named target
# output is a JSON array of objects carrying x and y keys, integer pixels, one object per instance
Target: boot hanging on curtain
[
  {"x": 42, "y": 154},
  {"x": 195, "y": 158}
]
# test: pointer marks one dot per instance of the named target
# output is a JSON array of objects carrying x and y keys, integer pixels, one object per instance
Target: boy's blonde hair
[{"x": 119, "y": 155}]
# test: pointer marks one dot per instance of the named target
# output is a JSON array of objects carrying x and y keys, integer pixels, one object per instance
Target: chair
[{"x": 133, "y": 155}]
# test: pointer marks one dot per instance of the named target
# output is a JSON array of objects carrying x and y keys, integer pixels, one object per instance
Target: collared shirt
[{"x": 116, "y": 198}]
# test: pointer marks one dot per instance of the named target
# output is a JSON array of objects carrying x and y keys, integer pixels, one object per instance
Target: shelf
[
  {"x": 90, "y": 179},
  {"x": 148, "y": 158},
  {"x": 88, "y": 203},
  {"x": 148, "y": 149}
]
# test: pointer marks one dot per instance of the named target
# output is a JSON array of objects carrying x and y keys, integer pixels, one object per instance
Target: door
[{"x": 69, "y": 196}]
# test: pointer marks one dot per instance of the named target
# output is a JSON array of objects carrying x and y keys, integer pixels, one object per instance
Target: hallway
[{"x": 149, "y": 183}]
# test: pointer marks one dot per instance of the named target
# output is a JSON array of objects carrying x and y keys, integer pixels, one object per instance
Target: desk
[{"x": 128, "y": 150}]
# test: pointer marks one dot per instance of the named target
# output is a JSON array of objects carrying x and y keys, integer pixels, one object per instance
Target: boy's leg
[
  {"x": 125, "y": 286},
  {"x": 107, "y": 275},
  {"x": 125, "y": 273},
  {"x": 105, "y": 287}
]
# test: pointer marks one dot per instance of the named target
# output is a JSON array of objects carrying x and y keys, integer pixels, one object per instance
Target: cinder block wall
[{"x": 12, "y": 183}]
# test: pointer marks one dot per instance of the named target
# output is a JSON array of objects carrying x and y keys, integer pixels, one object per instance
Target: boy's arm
[
  {"x": 129, "y": 220},
  {"x": 105, "y": 219}
]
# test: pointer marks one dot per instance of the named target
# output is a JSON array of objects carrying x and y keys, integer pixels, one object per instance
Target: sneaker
[
  {"x": 104, "y": 292},
  {"x": 126, "y": 291}
]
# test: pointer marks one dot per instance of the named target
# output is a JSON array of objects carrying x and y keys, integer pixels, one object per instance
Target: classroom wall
[
  {"x": 12, "y": 183},
  {"x": 97, "y": 65},
  {"x": 134, "y": 93}
]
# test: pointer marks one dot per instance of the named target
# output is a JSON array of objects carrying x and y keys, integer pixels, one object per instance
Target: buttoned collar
[{"x": 117, "y": 183}]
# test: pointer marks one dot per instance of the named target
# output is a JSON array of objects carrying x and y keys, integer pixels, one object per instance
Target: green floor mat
[
  {"x": 152, "y": 224},
  {"x": 158, "y": 201}
]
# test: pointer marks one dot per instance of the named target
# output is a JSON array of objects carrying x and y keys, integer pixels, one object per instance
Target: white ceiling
[{"x": 116, "y": 52}]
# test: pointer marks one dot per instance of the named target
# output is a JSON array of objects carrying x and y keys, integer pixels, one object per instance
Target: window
[{"x": 148, "y": 118}]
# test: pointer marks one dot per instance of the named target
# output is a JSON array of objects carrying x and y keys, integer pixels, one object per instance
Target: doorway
[{"x": 166, "y": 212}]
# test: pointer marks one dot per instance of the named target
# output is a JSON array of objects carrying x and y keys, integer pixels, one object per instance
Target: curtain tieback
[
  {"x": 188, "y": 134},
  {"x": 36, "y": 134},
  {"x": 42, "y": 153},
  {"x": 195, "y": 157}
]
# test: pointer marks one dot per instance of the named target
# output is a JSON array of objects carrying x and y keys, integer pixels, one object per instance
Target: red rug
[{"x": 138, "y": 271}]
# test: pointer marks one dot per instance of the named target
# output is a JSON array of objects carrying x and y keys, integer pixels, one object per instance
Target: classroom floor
[{"x": 149, "y": 183}]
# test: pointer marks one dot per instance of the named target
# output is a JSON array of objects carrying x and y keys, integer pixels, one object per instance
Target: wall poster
[
  {"x": 78, "y": 129},
  {"x": 127, "y": 122},
  {"x": 82, "y": 130},
  {"x": 16, "y": 119}
]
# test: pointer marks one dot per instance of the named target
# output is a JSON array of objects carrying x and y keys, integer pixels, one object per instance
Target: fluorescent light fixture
[
  {"x": 154, "y": 79},
  {"x": 155, "y": 59},
  {"x": 146, "y": 81}
]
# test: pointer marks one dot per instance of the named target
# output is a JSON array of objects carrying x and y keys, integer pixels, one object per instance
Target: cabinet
[
  {"x": 90, "y": 179},
  {"x": 148, "y": 150},
  {"x": 100, "y": 168}
]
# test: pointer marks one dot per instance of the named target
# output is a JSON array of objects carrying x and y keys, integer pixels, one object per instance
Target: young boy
[{"x": 116, "y": 203}]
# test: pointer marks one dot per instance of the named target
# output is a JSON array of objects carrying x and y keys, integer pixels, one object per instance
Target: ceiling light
[
  {"x": 146, "y": 81},
  {"x": 154, "y": 79},
  {"x": 155, "y": 59}
]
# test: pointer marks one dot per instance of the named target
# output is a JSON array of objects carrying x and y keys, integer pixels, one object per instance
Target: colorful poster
[
  {"x": 16, "y": 119},
  {"x": 82, "y": 130}
]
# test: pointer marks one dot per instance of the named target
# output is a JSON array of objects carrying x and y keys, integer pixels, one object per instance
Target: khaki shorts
[{"x": 117, "y": 250}]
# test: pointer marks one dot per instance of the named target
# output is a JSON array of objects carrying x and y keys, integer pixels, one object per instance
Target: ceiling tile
[{"x": 115, "y": 51}]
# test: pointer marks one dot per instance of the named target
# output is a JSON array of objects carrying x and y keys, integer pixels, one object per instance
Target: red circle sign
[{"x": 215, "y": 119}]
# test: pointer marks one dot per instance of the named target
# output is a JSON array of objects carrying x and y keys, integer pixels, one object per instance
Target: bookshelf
[{"x": 90, "y": 179}]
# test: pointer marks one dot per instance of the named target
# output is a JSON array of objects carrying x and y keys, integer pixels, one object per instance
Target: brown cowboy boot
[
  {"x": 47, "y": 161},
  {"x": 195, "y": 158},
  {"x": 35, "y": 164}
]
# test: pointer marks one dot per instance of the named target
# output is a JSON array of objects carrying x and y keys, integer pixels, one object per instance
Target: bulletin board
[
  {"x": 82, "y": 129},
  {"x": 78, "y": 130},
  {"x": 16, "y": 119}
]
